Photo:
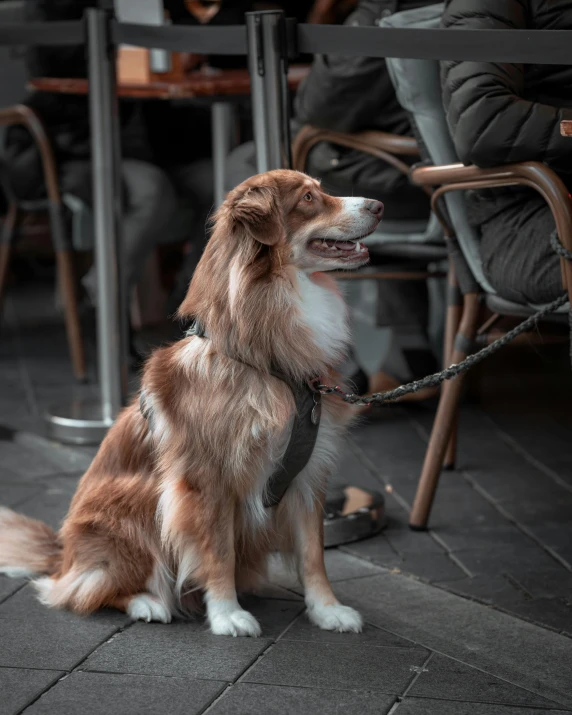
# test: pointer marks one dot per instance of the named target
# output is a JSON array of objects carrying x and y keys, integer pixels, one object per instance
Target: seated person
[
  {"x": 500, "y": 113},
  {"x": 149, "y": 197},
  {"x": 166, "y": 168}
]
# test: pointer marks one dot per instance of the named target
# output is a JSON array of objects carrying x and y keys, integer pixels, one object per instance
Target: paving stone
[
  {"x": 303, "y": 630},
  {"x": 25, "y": 605},
  {"x": 12, "y": 495},
  {"x": 52, "y": 644},
  {"x": 272, "y": 614},
  {"x": 394, "y": 450},
  {"x": 556, "y": 537},
  {"x": 449, "y": 679},
  {"x": 274, "y": 590},
  {"x": 252, "y": 699},
  {"x": 377, "y": 549},
  {"x": 8, "y": 586},
  {"x": 351, "y": 471},
  {"x": 549, "y": 612},
  {"x": 340, "y": 566},
  {"x": 423, "y": 706},
  {"x": 50, "y": 505},
  {"x": 545, "y": 583},
  {"x": 405, "y": 541},
  {"x": 464, "y": 507},
  {"x": 26, "y": 463},
  {"x": 176, "y": 649},
  {"x": 457, "y": 537},
  {"x": 432, "y": 567},
  {"x": 97, "y": 693},
  {"x": 19, "y": 686},
  {"x": 528, "y": 560},
  {"x": 62, "y": 458},
  {"x": 512, "y": 649},
  {"x": 333, "y": 665},
  {"x": 497, "y": 590}
]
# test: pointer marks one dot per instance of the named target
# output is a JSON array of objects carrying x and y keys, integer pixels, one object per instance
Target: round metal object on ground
[
  {"x": 78, "y": 422},
  {"x": 358, "y": 515}
]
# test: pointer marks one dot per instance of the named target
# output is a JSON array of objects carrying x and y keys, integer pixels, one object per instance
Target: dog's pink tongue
[{"x": 342, "y": 245}]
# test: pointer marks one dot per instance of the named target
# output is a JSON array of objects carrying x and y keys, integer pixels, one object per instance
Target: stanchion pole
[
  {"x": 111, "y": 308},
  {"x": 268, "y": 67},
  {"x": 86, "y": 421},
  {"x": 221, "y": 121}
]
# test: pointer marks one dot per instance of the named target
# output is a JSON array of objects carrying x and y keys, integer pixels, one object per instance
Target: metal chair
[
  {"x": 11, "y": 89},
  {"x": 418, "y": 90}
]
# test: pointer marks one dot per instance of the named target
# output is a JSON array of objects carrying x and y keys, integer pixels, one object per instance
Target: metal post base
[
  {"x": 356, "y": 515},
  {"x": 78, "y": 422}
]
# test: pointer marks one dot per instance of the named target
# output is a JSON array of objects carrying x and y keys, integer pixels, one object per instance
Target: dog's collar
[{"x": 304, "y": 429}]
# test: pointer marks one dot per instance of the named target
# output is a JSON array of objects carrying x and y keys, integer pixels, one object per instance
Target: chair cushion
[{"x": 418, "y": 89}]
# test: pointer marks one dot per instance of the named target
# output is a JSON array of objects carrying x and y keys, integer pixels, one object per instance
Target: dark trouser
[
  {"x": 149, "y": 204},
  {"x": 194, "y": 185},
  {"x": 517, "y": 257}
]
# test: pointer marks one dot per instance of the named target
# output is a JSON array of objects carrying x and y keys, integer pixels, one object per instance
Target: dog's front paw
[
  {"x": 235, "y": 623},
  {"x": 342, "y": 619},
  {"x": 145, "y": 607}
]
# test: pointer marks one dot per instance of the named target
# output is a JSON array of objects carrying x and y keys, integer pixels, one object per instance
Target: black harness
[{"x": 302, "y": 438}]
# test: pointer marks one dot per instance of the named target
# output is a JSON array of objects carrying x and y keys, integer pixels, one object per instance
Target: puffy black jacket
[
  {"x": 500, "y": 113},
  {"x": 350, "y": 94}
]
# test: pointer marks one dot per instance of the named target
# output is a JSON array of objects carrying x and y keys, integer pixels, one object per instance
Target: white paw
[
  {"x": 335, "y": 618},
  {"x": 235, "y": 623},
  {"x": 147, "y": 608}
]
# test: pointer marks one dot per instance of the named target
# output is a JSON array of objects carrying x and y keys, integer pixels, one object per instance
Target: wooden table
[{"x": 220, "y": 86}]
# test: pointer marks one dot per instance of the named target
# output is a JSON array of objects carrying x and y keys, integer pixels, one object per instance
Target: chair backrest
[{"x": 418, "y": 89}]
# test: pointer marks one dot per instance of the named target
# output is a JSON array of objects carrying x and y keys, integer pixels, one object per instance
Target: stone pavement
[{"x": 473, "y": 616}]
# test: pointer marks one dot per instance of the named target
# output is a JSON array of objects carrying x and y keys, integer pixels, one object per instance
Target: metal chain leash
[{"x": 381, "y": 398}]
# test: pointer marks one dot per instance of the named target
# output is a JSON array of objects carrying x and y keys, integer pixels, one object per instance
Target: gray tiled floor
[{"x": 472, "y": 617}]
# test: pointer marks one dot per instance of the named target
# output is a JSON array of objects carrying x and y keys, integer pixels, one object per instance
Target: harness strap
[{"x": 302, "y": 437}]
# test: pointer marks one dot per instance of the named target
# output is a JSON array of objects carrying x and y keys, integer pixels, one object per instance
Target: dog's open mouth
[{"x": 350, "y": 250}]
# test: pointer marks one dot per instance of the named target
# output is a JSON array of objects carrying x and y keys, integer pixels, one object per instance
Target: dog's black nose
[{"x": 375, "y": 207}]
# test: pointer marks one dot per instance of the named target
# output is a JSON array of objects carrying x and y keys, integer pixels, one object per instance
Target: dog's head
[{"x": 289, "y": 211}]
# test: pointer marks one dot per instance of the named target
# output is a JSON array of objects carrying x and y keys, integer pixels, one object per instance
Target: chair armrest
[
  {"x": 533, "y": 174},
  {"x": 379, "y": 144},
  {"x": 21, "y": 114}
]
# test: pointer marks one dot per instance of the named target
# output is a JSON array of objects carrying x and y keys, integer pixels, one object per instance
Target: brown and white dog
[{"x": 172, "y": 509}]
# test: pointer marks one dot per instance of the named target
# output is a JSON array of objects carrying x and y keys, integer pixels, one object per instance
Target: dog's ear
[{"x": 257, "y": 213}]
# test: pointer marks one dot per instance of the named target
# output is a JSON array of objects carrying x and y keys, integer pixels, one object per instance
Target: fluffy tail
[{"x": 27, "y": 547}]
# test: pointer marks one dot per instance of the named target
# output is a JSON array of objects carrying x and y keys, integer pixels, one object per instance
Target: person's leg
[
  {"x": 403, "y": 306},
  {"x": 517, "y": 257},
  {"x": 194, "y": 185},
  {"x": 149, "y": 203}
]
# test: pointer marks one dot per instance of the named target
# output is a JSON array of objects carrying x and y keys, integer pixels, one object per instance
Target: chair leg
[
  {"x": 442, "y": 427},
  {"x": 454, "y": 312},
  {"x": 67, "y": 278},
  {"x": 6, "y": 240}
]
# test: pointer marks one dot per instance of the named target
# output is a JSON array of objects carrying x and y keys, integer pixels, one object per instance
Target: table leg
[{"x": 221, "y": 118}]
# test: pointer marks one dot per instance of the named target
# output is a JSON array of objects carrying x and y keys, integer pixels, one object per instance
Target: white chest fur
[{"x": 325, "y": 314}]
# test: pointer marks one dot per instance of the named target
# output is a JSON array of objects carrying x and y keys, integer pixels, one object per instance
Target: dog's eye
[{"x": 308, "y": 197}]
